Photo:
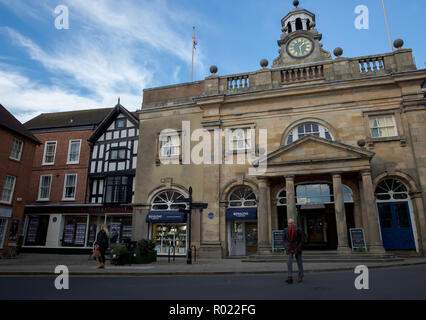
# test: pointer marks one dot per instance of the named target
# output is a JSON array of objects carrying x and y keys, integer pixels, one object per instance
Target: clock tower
[{"x": 300, "y": 41}]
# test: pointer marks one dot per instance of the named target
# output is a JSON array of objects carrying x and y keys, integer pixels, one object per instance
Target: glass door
[{"x": 251, "y": 237}]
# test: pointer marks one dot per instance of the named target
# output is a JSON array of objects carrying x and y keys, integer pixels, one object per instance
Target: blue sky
[{"x": 116, "y": 48}]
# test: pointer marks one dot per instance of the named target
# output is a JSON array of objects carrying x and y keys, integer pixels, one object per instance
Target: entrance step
[{"x": 325, "y": 257}]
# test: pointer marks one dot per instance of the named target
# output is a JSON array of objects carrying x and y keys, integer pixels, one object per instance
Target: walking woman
[{"x": 102, "y": 241}]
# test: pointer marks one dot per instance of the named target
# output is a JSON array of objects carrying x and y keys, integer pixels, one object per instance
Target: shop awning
[
  {"x": 241, "y": 214},
  {"x": 166, "y": 216}
]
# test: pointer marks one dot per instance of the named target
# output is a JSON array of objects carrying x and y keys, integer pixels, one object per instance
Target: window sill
[
  {"x": 7, "y": 203},
  {"x": 372, "y": 141},
  {"x": 43, "y": 200},
  {"x": 15, "y": 160},
  {"x": 73, "y": 162},
  {"x": 171, "y": 160},
  {"x": 48, "y": 164}
]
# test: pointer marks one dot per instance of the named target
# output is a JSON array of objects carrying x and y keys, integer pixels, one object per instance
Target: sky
[{"x": 117, "y": 48}]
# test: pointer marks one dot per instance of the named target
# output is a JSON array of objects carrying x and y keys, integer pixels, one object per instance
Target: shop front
[
  {"x": 316, "y": 213},
  {"x": 242, "y": 231},
  {"x": 73, "y": 230},
  {"x": 169, "y": 231}
]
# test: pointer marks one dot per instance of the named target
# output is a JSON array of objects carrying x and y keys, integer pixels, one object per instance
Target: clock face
[{"x": 300, "y": 47}]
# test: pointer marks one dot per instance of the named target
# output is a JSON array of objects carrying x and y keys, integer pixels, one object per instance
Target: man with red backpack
[{"x": 293, "y": 240}]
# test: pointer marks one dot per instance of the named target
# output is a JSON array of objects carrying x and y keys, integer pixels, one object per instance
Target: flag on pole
[{"x": 194, "y": 41}]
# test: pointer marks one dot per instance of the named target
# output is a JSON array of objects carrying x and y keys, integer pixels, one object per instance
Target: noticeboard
[
  {"x": 357, "y": 238},
  {"x": 278, "y": 240}
]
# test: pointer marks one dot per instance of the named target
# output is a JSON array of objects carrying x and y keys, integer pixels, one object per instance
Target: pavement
[{"x": 37, "y": 264}]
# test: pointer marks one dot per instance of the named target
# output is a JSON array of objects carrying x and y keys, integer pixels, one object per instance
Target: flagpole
[
  {"x": 387, "y": 25},
  {"x": 192, "y": 65}
]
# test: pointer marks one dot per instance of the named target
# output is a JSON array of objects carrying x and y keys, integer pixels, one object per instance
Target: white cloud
[{"x": 110, "y": 51}]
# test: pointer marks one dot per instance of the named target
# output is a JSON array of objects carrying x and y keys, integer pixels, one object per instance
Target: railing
[
  {"x": 371, "y": 65},
  {"x": 302, "y": 74},
  {"x": 239, "y": 82},
  {"x": 170, "y": 248}
]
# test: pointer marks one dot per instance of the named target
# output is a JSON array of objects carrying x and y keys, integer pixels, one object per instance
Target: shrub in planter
[
  {"x": 145, "y": 252},
  {"x": 120, "y": 255}
]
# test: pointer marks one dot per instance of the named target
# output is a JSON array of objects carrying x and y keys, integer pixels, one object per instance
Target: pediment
[{"x": 313, "y": 149}]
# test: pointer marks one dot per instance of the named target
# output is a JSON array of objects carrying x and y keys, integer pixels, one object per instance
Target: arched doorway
[
  {"x": 316, "y": 215},
  {"x": 241, "y": 217},
  {"x": 168, "y": 222},
  {"x": 394, "y": 215}
]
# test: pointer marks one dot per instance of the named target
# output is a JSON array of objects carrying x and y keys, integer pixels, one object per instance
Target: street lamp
[{"x": 192, "y": 205}]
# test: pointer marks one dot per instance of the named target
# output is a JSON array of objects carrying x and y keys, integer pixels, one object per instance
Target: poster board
[
  {"x": 357, "y": 238},
  {"x": 278, "y": 240}
]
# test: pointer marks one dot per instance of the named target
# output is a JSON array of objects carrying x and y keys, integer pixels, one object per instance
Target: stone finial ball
[
  {"x": 264, "y": 63},
  {"x": 296, "y": 3},
  {"x": 312, "y": 24},
  {"x": 398, "y": 43},
  {"x": 361, "y": 143},
  {"x": 338, "y": 52},
  {"x": 213, "y": 69}
]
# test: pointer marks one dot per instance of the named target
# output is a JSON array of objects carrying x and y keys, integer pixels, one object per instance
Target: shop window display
[
  {"x": 74, "y": 234},
  {"x": 169, "y": 236}
]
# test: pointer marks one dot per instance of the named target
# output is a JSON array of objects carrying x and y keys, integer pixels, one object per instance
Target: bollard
[{"x": 194, "y": 249}]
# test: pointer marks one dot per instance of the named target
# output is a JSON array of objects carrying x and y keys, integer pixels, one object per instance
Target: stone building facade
[{"x": 345, "y": 148}]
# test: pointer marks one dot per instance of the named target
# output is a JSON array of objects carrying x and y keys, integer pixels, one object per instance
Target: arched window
[
  {"x": 308, "y": 24},
  {"x": 289, "y": 27},
  {"x": 308, "y": 129},
  {"x": 299, "y": 24},
  {"x": 282, "y": 198},
  {"x": 242, "y": 197},
  {"x": 168, "y": 200},
  {"x": 391, "y": 189},
  {"x": 347, "y": 194}
]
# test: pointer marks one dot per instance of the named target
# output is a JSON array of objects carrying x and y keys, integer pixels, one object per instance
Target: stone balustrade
[
  {"x": 307, "y": 73},
  {"x": 273, "y": 78},
  {"x": 373, "y": 64},
  {"x": 238, "y": 82}
]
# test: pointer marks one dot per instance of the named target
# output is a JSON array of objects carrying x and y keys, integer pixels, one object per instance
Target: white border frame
[
  {"x": 13, "y": 190},
  {"x": 20, "y": 151},
  {"x": 384, "y": 116},
  {"x": 43, "y": 163},
  {"x": 39, "y": 187},
  {"x": 69, "y": 149},
  {"x": 75, "y": 186}
]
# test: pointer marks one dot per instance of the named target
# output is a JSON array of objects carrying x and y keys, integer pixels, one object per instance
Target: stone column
[
  {"x": 420, "y": 212},
  {"x": 305, "y": 24},
  {"x": 139, "y": 224},
  {"x": 264, "y": 246},
  {"x": 339, "y": 208},
  {"x": 291, "y": 198},
  {"x": 375, "y": 244},
  {"x": 293, "y": 25}
]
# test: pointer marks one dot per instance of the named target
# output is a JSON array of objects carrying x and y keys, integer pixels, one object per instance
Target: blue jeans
[{"x": 290, "y": 264}]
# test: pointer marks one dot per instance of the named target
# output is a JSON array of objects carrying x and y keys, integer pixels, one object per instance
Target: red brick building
[
  {"x": 59, "y": 179},
  {"x": 17, "y": 149},
  {"x": 82, "y": 177}
]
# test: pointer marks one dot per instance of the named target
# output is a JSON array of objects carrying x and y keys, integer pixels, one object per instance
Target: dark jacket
[
  {"x": 102, "y": 240},
  {"x": 296, "y": 244}
]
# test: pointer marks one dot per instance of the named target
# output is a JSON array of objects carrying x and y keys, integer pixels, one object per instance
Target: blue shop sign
[
  {"x": 241, "y": 214},
  {"x": 166, "y": 216}
]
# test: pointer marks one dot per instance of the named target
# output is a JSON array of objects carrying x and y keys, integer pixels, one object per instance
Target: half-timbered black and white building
[{"x": 112, "y": 169}]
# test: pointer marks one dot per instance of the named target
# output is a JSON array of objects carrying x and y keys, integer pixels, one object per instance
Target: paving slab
[{"x": 79, "y": 265}]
